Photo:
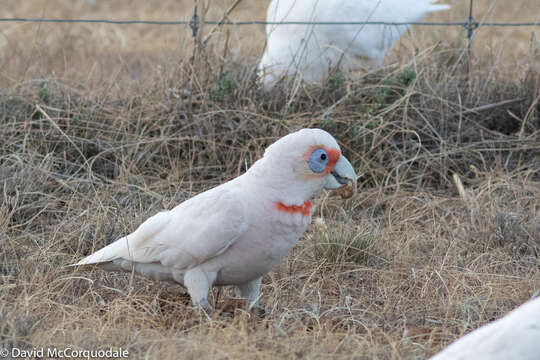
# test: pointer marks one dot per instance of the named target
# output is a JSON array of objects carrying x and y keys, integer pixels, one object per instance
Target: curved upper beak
[{"x": 342, "y": 173}]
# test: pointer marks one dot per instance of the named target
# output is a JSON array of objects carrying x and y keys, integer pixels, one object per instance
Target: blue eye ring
[{"x": 318, "y": 160}]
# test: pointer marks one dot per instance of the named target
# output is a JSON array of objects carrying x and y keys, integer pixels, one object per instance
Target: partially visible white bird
[
  {"x": 237, "y": 232},
  {"x": 516, "y": 336},
  {"x": 311, "y": 51}
]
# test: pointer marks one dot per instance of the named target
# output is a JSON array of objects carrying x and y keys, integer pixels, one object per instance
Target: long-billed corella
[
  {"x": 311, "y": 48},
  {"x": 237, "y": 232},
  {"x": 515, "y": 336}
]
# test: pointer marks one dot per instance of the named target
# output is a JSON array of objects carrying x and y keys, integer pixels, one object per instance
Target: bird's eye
[{"x": 318, "y": 160}]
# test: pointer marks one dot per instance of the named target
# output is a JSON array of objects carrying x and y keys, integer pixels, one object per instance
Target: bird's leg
[
  {"x": 198, "y": 282},
  {"x": 250, "y": 291}
]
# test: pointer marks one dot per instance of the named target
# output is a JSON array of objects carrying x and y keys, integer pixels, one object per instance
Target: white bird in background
[
  {"x": 311, "y": 51},
  {"x": 237, "y": 232},
  {"x": 513, "y": 337}
]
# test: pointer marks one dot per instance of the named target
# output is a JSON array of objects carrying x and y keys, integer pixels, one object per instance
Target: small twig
[
  {"x": 528, "y": 115},
  {"x": 491, "y": 106},
  {"x": 225, "y": 52},
  {"x": 220, "y": 22},
  {"x": 55, "y": 125},
  {"x": 331, "y": 108},
  {"x": 460, "y": 189},
  {"x": 512, "y": 115}
]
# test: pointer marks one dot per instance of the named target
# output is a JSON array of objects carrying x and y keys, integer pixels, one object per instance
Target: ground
[{"x": 104, "y": 125}]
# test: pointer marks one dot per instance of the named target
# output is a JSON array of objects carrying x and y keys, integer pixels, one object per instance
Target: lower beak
[{"x": 342, "y": 175}]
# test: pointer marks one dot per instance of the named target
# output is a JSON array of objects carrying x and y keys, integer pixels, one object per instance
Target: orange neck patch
[{"x": 304, "y": 209}]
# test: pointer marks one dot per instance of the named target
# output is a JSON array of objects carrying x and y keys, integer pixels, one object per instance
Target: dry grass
[
  {"x": 442, "y": 238},
  {"x": 105, "y": 55}
]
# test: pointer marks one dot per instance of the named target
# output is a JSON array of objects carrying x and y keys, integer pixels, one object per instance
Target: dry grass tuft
[{"x": 442, "y": 237}]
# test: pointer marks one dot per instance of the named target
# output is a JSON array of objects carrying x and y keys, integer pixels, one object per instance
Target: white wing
[
  {"x": 190, "y": 234},
  {"x": 515, "y": 336}
]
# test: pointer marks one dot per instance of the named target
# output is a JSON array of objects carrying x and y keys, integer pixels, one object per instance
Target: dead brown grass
[{"x": 442, "y": 238}]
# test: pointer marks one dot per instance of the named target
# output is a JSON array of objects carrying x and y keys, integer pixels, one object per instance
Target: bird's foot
[
  {"x": 258, "y": 311},
  {"x": 206, "y": 307}
]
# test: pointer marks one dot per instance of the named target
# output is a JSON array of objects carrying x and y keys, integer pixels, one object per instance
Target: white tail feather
[
  {"x": 108, "y": 253},
  {"x": 131, "y": 247}
]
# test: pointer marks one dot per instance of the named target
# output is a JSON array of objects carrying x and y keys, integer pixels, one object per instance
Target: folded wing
[{"x": 186, "y": 236}]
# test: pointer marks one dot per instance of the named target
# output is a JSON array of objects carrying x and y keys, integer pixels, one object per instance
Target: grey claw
[{"x": 208, "y": 309}]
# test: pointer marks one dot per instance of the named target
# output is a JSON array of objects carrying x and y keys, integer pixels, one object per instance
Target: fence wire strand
[{"x": 256, "y": 22}]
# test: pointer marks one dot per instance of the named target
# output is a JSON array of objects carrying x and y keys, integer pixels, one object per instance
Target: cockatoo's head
[{"x": 302, "y": 164}]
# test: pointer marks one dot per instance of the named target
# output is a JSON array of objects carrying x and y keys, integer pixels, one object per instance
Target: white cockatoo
[
  {"x": 236, "y": 232},
  {"x": 311, "y": 51},
  {"x": 516, "y": 336}
]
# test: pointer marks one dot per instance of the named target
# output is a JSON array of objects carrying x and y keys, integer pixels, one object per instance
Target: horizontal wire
[{"x": 187, "y": 22}]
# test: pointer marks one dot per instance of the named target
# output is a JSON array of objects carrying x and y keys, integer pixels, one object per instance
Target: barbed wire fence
[{"x": 196, "y": 22}]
